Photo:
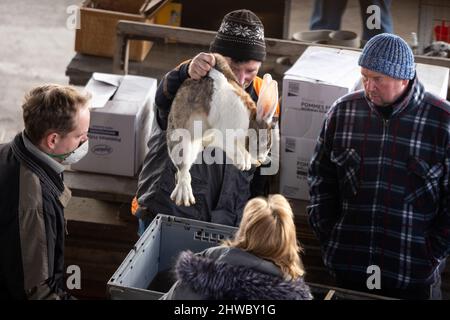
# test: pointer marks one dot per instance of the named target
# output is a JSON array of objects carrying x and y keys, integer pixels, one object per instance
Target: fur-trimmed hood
[{"x": 217, "y": 279}]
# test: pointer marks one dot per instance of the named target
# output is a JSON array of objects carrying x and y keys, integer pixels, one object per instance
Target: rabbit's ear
[{"x": 267, "y": 100}]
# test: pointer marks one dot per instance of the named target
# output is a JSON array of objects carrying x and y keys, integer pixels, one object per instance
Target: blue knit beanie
[{"x": 388, "y": 54}]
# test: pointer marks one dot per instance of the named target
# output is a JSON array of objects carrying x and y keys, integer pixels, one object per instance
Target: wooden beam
[
  {"x": 156, "y": 33},
  {"x": 128, "y": 30}
]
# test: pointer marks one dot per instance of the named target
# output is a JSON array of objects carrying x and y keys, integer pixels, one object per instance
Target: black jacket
[
  {"x": 220, "y": 190},
  {"x": 32, "y": 225},
  {"x": 223, "y": 273}
]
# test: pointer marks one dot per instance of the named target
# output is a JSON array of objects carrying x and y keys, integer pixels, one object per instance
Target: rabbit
[{"x": 220, "y": 103}]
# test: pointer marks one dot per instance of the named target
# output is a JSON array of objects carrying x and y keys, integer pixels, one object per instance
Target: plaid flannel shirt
[{"x": 380, "y": 188}]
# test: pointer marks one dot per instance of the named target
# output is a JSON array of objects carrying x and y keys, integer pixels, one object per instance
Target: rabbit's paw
[
  {"x": 243, "y": 160},
  {"x": 248, "y": 160},
  {"x": 182, "y": 194}
]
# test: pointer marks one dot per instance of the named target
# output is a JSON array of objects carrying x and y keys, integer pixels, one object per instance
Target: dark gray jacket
[
  {"x": 223, "y": 273},
  {"x": 32, "y": 225},
  {"x": 220, "y": 190}
]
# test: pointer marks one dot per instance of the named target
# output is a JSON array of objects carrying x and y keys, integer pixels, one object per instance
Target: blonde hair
[{"x": 267, "y": 230}]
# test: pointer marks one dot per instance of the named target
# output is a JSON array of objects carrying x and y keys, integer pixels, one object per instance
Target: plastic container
[{"x": 146, "y": 271}]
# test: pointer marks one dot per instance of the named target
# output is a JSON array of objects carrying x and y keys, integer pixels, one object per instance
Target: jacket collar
[
  {"x": 59, "y": 168},
  {"x": 238, "y": 257},
  {"x": 46, "y": 174},
  {"x": 220, "y": 280}
]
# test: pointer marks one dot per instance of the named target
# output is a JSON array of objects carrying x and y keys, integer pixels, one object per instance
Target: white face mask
[
  {"x": 77, "y": 154},
  {"x": 74, "y": 156}
]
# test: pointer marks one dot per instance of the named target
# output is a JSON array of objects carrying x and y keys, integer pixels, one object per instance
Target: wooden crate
[{"x": 97, "y": 33}]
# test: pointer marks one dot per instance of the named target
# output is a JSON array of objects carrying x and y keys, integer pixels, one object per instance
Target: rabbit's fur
[{"x": 216, "y": 101}]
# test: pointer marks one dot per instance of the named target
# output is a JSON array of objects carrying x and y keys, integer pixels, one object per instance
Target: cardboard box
[
  {"x": 169, "y": 14},
  {"x": 433, "y": 78},
  {"x": 121, "y": 119},
  {"x": 310, "y": 87},
  {"x": 146, "y": 271},
  {"x": 318, "y": 78},
  {"x": 98, "y": 20},
  {"x": 295, "y": 157}
]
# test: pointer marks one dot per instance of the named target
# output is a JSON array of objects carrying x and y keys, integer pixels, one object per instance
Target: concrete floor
[{"x": 37, "y": 46}]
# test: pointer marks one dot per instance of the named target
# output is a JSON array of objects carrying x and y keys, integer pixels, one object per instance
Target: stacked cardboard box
[{"x": 318, "y": 78}]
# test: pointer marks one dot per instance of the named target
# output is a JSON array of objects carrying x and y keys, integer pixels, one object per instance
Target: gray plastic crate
[{"x": 146, "y": 271}]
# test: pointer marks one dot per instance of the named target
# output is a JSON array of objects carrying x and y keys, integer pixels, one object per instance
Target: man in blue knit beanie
[{"x": 379, "y": 180}]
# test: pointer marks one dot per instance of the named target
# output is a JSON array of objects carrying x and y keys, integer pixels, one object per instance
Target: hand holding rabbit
[{"x": 200, "y": 65}]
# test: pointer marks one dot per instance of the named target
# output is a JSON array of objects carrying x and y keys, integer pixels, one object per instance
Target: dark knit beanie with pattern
[{"x": 240, "y": 37}]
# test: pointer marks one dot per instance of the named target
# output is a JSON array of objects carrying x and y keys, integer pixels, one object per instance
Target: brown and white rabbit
[{"x": 219, "y": 104}]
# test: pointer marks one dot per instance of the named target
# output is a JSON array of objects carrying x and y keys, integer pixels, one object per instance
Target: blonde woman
[{"x": 261, "y": 262}]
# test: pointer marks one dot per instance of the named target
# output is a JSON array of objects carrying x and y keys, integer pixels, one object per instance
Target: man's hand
[{"x": 200, "y": 65}]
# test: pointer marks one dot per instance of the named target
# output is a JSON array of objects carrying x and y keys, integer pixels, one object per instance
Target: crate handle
[{"x": 208, "y": 236}]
